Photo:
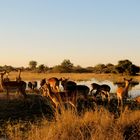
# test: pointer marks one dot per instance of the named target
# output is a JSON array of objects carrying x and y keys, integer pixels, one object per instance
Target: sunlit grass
[
  {"x": 93, "y": 125},
  {"x": 73, "y": 76},
  {"x": 99, "y": 124}
]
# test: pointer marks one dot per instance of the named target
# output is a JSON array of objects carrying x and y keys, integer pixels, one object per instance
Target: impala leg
[
  {"x": 7, "y": 92},
  {"x": 91, "y": 92},
  {"x": 57, "y": 89},
  {"x": 23, "y": 93},
  {"x": 108, "y": 97},
  {"x": 118, "y": 102}
]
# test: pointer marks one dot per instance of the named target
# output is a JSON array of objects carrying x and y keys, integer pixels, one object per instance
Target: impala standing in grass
[
  {"x": 122, "y": 92},
  {"x": 19, "y": 86},
  {"x": 102, "y": 90},
  {"x": 59, "y": 98}
]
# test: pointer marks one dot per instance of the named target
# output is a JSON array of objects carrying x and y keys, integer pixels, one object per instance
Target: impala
[
  {"x": 137, "y": 99},
  {"x": 42, "y": 82},
  {"x": 58, "y": 98},
  {"x": 101, "y": 90},
  {"x": 94, "y": 86},
  {"x": 54, "y": 83},
  {"x": 19, "y": 86},
  {"x": 6, "y": 79},
  {"x": 32, "y": 85},
  {"x": 70, "y": 86},
  {"x": 122, "y": 92},
  {"x": 67, "y": 84},
  {"x": 18, "y": 78}
]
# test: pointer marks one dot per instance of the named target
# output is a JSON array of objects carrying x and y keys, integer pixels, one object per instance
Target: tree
[
  {"x": 99, "y": 68},
  {"x": 57, "y": 69},
  {"x": 79, "y": 69},
  {"x": 109, "y": 68},
  {"x": 8, "y": 68},
  {"x": 126, "y": 67},
  {"x": 41, "y": 68},
  {"x": 66, "y": 66},
  {"x": 32, "y": 64}
]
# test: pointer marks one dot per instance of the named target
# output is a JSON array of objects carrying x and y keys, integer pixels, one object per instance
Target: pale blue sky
[{"x": 87, "y": 32}]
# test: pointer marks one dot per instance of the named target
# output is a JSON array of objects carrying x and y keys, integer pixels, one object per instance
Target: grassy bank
[
  {"x": 28, "y": 119},
  {"x": 35, "y": 119},
  {"x": 93, "y": 125},
  {"x": 73, "y": 76}
]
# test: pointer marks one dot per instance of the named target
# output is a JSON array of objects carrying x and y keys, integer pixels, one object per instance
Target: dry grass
[
  {"x": 97, "y": 125},
  {"x": 73, "y": 76},
  {"x": 92, "y": 125},
  {"x": 28, "y": 120}
]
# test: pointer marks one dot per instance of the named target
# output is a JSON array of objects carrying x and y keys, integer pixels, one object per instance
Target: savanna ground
[
  {"x": 72, "y": 76},
  {"x": 34, "y": 118}
]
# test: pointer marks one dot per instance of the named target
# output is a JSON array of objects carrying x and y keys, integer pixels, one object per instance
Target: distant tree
[
  {"x": 79, "y": 69},
  {"x": 66, "y": 66},
  {"x": 46, "y": 68},
  {"x": 134, "y": 69},
  {"x": 8, "y": 68},
  {"x": 99, "y": 68},
  {"x": 109, "y": 68},
  {"x": 57, "y": 69},
  {"x": 32, "y": 64},
  {"x": 109, "y": 65},
  {"x": 126, "y": 67},
  {"x": 41, "y": 68}
]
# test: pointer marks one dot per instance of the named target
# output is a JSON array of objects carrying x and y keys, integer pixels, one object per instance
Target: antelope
[
  {"x": 137, "y": 99},
  {"x": 42, "y": 82},
  {"x": 54, "y": 83},
  {"x": 13, "y": 85},
  {"x": 81, "y": 90},
  {"x": 94, "y": 86},
  {"x": 103, "y": 89},
  {"x": 6, "y": 79},
  {"x": 58, "y": 98},
  {"x": 122, "y": 92},
  {"x": 32, "y": 85},
  {"x": 67, "y": 84},
  {"x": 18, "y": 78}
]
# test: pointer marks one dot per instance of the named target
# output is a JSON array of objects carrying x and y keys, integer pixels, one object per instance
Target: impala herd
[{"x": 70, "y": 93}]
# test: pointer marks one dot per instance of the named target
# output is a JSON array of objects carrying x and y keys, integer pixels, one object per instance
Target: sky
[{"x": 87, "y": 32}]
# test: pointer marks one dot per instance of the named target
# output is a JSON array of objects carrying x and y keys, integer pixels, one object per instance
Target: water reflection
[
  {"x": 132, "y": 84},
  {"x": 133, "y": 92},
  {"x": 88, "y": 83}
]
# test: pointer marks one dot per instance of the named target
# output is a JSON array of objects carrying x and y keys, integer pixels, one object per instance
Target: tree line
[{"x": 123, "y": 67}]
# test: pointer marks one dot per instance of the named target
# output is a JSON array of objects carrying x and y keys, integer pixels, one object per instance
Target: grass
[
  {"x": 28, "y": 119},
  {"x": 33, "y": 118},
  {"x": 73, "y": 76},
  {"x": 93, "y": 125}
]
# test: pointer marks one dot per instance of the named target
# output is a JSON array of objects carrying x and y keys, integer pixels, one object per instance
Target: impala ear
[{"x": 60, "y": 79}]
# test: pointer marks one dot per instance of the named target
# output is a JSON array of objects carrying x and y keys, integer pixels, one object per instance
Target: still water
[{"x": 133, "y": 92}]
